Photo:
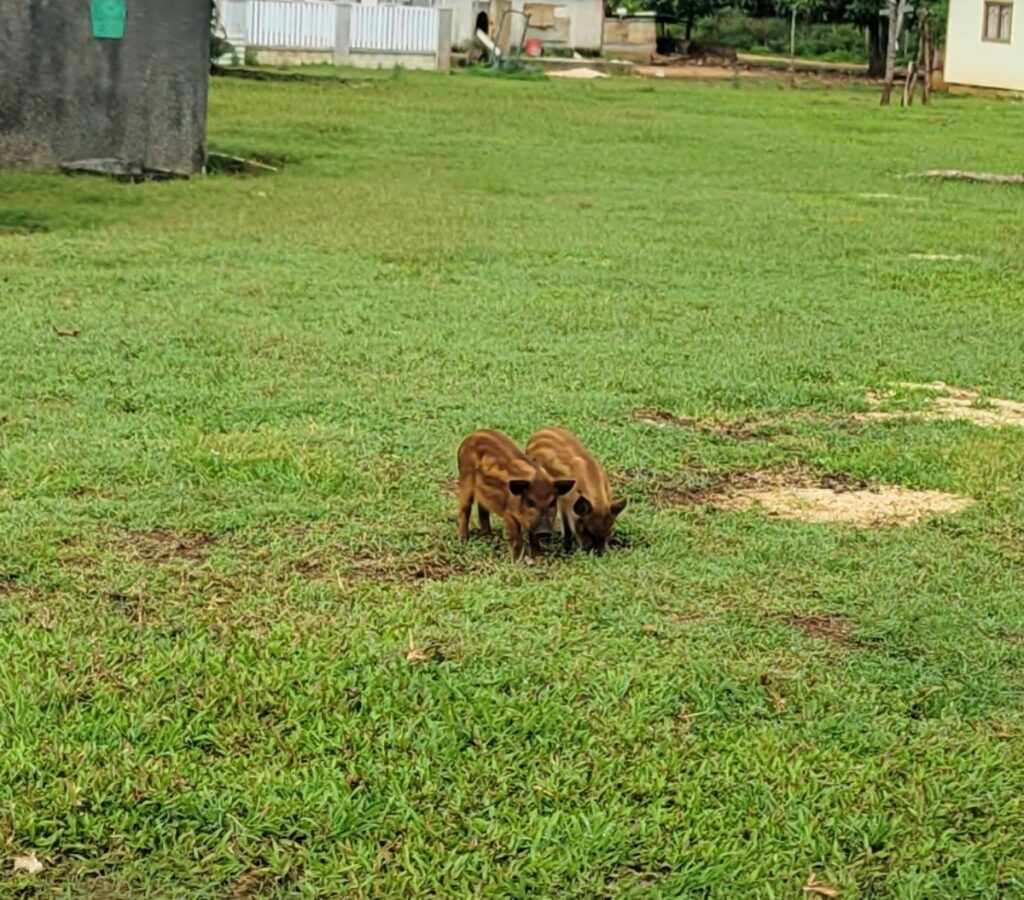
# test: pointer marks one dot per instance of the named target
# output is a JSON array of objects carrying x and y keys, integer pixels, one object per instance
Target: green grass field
[{"x": 225, "y": 517}]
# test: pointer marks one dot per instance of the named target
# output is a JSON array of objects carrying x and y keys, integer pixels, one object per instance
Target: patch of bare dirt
[
  {"x": 256, "y": 882},
  {"x": 798, "y": 493},
  {"x": 718, "y": 487},
  {"x": 834, "y": 629},
  {"x": 132, "y": 603},
  {"x": 951, "y": 403},
  {"x": 875, "y": 506},
  {"x": 164, "y": 545},
  {"x": 689, "y": 73},
  {"x": 420, "y": 567},
  {"x": 739, "y": 430},
  {"x": 682, "y": 618}
]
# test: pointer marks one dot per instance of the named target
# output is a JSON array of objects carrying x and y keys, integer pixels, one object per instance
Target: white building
[
  {"x": 561, "y": 24},
  {"x": 985, "y": 44}
]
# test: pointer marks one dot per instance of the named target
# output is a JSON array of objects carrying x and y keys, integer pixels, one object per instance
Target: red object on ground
[{"x": 533, "y": 47}]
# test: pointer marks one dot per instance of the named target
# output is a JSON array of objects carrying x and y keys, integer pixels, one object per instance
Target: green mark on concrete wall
[{"x": 108, "y": 19}]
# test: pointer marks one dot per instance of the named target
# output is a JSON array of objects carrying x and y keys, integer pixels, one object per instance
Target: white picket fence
[
  {"x": 394, "y": 29},
  {"x": 292, "y": 24},
  {"x": 234, "y": 15},
  {"x": 312, "y": 25}
]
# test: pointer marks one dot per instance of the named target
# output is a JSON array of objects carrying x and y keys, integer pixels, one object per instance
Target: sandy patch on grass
[
  {"x": 582, "y": 72},
  {"x": 800, "y": 494},
  {"x": 883, "y": 505},
  {"x": 951, "y": 403}
]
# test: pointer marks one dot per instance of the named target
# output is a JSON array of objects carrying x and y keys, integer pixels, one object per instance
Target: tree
[
  {"x": 867, "y": 14},
  {"x": 689, "y": 11},
  {"x": 797, "y": 8}
]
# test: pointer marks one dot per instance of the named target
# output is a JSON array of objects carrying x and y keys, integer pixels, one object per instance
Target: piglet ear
[
  {"x": 582, "y": 507},
  {"x": 618, "y": 506},
  {"x": 518, "y": 486},
  {"x": 564, "y": 485}
]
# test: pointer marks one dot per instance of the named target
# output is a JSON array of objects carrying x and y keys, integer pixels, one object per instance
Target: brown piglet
[
  {"x": 588, "y": 510},
  {"x": 496, "y": 474}
]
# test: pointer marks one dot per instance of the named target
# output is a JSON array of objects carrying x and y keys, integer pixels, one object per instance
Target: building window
[{"x": 997, "y": 22}]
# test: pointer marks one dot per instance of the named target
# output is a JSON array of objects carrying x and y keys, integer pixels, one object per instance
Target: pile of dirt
[{"x": 951, "y": 403}]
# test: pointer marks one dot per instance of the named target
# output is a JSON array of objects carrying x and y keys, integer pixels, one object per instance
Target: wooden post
[
  {"x": 896, "y": 11},
  {"x": 909, "y": 84},
  {"x": 918, "y": 63}
]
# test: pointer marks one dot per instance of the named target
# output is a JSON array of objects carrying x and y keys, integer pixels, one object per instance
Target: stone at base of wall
[
  {"x": 267, "y": 57},
  {"x": 971, "y": 90},
  {"x": 360, "y": 60},
  {"x": 424, "y": 61}
]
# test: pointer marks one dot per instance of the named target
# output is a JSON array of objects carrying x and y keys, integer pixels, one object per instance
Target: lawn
[{"x": 243, "y": 653}]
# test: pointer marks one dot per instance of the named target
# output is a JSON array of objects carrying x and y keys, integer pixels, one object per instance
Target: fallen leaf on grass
[
  {"x": 66, "y": 332},
  {"x": 649, "y": 629},
  {"x": 28, "y": 864},
  {"x": 819, "y": 888},
  {"x": 415, "y": 655}
]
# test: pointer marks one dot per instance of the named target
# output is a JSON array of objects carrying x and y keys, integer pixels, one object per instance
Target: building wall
[
  {"x": 66, "y": 95},
  {"x": 463, "y": 20},
  {"x": 632, "y": 38},
  {"x": 973, "y": 61},
  {"x": 587, "y": 24}
]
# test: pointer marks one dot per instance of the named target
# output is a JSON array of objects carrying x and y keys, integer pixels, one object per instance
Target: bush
[{"x": 839, "y": 42}]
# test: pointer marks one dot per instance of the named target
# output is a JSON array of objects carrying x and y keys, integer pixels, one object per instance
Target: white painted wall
[
  {"x": 972, "y": 61},
  {"x": 586, "y": 27}
]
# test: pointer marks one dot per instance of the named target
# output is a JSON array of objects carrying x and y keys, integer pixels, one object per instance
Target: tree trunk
[
  {"x": 689, "y": 27},
  {"x": 929, "y": 60},
  {"x": 792, "y": 48},
  {"x": 876, "y": 47},
  {"x": 890, "y": 55}
]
